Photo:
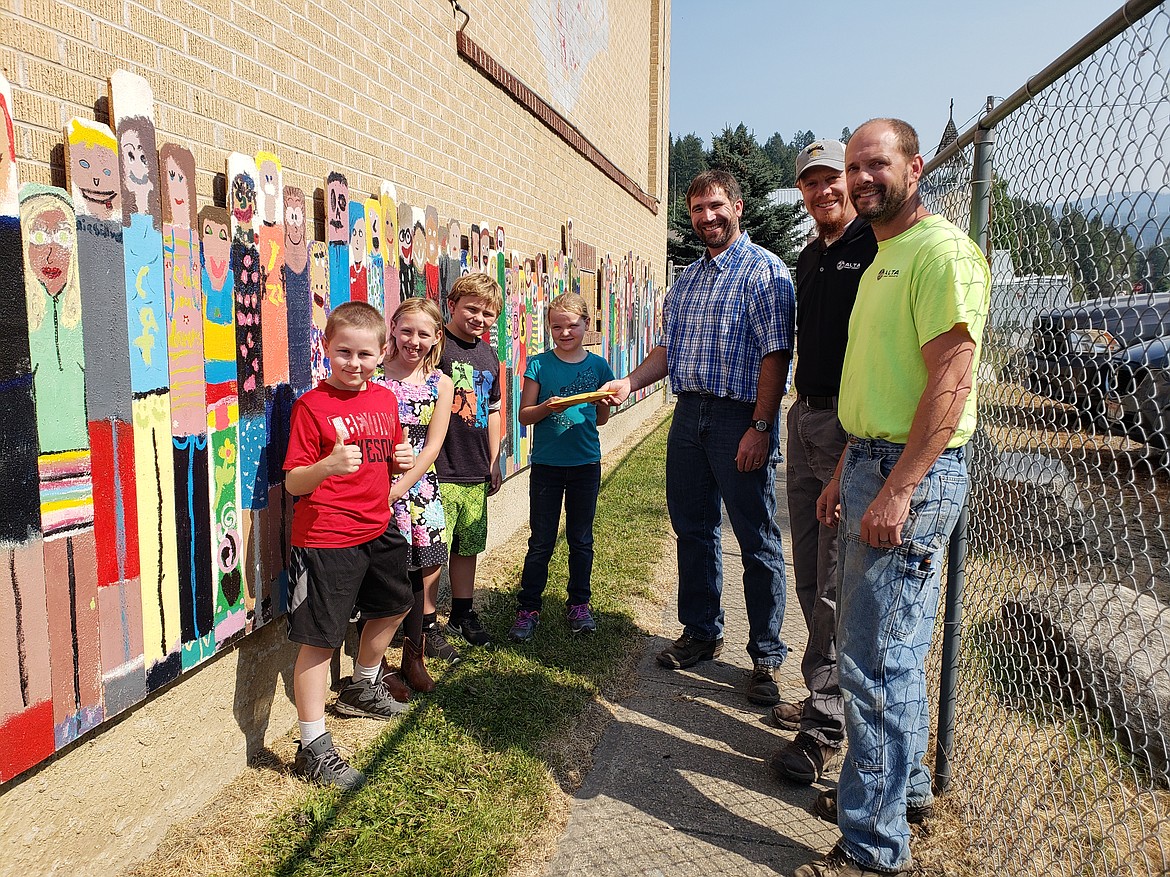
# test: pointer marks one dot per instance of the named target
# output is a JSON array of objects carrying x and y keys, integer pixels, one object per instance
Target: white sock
[
  {"x": 365, "y": 674},
  {"x": 310, "y": 731}
]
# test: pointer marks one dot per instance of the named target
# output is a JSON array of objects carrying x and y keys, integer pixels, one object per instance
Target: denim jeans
[
  {"x": 887, "y": 600},
  {"x": 815, "y": 443},
  {"x": 700, "y": 474},
  {"x": 578, "y": 487}
]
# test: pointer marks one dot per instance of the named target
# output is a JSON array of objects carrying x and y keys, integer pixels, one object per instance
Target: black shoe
[
  {"x": 471, "y": 629},
  {"x": 435, "y": 645},
  {"x": 825, "y": 806},
  {"x": 320, "y": 762},
  {"x": 368, "y": 700},
  {"x": 836, "y": 863},
  {"x": 762, "y": 687},
  {"x": 686, "y": 651},
  {"x": 786, "y": 714},
  {"x": 803, "y": 759}
]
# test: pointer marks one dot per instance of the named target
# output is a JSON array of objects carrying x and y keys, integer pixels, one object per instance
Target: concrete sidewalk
[{"x": 681, "y": 785}]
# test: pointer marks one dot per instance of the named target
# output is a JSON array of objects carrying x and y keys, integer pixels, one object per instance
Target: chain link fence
[{"x": 1059, "y": 757}]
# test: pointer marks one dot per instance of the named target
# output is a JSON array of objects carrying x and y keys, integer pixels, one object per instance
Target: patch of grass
[{"x": 462, "y": 783}]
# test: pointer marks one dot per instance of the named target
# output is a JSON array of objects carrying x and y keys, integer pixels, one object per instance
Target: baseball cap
[{"x": 821, "y": 153}]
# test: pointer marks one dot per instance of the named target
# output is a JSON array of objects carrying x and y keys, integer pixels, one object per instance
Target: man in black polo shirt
[{"x": 827, "y": 274}]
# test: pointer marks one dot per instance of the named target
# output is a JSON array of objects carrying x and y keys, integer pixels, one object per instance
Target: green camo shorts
[{"x": 465, "y": 506}]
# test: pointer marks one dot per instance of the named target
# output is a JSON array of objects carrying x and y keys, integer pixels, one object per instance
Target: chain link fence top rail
[{"x": 1060, "y": 758}]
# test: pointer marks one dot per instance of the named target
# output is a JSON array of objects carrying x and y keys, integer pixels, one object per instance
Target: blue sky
[{"x": 787, "y": 65}]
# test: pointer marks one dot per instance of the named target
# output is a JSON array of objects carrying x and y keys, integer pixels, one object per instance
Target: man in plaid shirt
[{"x": 727, "y": 346}]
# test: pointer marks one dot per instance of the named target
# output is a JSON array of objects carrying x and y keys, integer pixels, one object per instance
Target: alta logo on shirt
[
  {"x": 848, "y": 266},
  {"x": 887, "y": 272}
]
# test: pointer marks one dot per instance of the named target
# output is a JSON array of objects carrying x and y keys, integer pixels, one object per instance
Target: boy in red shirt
[{"x": 345, "y": 442}]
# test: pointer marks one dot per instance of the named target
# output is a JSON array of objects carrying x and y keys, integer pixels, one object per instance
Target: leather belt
[{"x": 821, "y": 403}]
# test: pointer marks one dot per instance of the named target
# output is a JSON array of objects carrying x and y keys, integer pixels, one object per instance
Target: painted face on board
[
  {"x": 294, "y": 217},
  {"x": 418, "y": 246},
  {"x": 95, "y": 171},
  {"x": 338, "y": 197},
  {"x": 178, "y": 193},
  {"x": 269, "y": 179},
  {"x": 454, "y": 234},
  {"x": 318, "y": 280},
  {"x": 375, "y": 230},
  {"x": 485, "y": 246},
  {"x": 135, "y": 169},
  {"x": 405, "y": 244},
  {"x": 51, "y": 235},
  {"x": 217, "y": 246},
  {"x": 357, "y": 243},
  {"x": 432, "y": 231},
  {"x": 243, "y": 199}
]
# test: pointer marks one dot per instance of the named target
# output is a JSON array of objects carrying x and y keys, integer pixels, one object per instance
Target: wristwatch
[{"x": 761, "y": 426}]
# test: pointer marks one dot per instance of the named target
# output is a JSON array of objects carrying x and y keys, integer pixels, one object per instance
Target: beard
[
  {"x": 717, "y": 236},
  {"x": 890, "y": 201}
]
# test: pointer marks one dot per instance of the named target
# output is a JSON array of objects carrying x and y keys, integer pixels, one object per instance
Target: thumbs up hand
[{"x": 345, "y": 459}]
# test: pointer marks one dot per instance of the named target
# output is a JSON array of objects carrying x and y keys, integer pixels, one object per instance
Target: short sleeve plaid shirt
[{"x": 723, "y": 315}]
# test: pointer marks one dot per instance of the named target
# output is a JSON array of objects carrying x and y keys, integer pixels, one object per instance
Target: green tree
[
  {"x": 1026, "y": 231},
  {"x": 687, "y": 160},
  {"x": 1152, "y": 268},
  {"x": 783, "y": 157},
  {"x": 1100, "y": 256},
  {"x": 845, "y": 134}
]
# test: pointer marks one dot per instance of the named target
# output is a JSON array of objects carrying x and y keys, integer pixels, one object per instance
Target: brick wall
[{"x": 373, "y": 89}]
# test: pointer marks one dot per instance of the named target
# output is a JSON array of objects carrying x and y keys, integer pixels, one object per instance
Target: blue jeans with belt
[
  {"x": 887, "y": 599},
  {"x": 700, "y": 476}
]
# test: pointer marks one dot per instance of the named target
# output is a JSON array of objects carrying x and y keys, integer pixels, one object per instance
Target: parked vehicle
[
  {"x": 1137, "y": 402},
  {"x": 1075, "y": 349}
]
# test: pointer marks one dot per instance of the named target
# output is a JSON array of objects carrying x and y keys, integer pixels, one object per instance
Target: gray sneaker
[
  {"x": 320, "y": 762},
  {"x": 371, "y": 700}
]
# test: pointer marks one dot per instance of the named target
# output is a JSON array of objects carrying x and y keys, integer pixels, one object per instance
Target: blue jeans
[
  {"x": 700, "y": 474},
  {"x": 578, "y": 487},
  {"x": 887, "y": 600}
]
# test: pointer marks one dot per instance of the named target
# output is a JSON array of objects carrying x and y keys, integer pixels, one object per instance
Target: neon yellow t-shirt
[{"x": 922, "y": 283}]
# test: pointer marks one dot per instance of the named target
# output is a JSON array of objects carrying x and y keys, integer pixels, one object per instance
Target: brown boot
[
  {"x": 414, "y": 669},
  {"x": 392, "y": 679}
]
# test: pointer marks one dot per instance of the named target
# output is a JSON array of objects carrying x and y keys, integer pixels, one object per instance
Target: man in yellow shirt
[{"x": 908, "y": 404}]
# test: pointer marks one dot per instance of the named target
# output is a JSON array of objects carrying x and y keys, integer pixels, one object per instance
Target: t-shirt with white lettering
[{"x": 344, "y": 510}]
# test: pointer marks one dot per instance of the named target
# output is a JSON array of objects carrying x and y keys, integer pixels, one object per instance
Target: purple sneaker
[
  {"x": 581, "y": 619},
  {"x": 524, "y": 626}
]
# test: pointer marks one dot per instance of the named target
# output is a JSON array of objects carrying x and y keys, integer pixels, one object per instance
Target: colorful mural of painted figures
[
  {"x": 26, "y": 706},
  {"x": 148, "y": 362},
  {"x": 183, "y": 287},
  {"x": 91, "y": 168},
  {"x": 56, "y": 349},
  {"x": 132, "y": 109},
  {"x": 223, "y": 416}
]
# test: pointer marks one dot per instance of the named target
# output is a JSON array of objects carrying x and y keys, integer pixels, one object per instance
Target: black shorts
[{"x": 326, "y": 584}]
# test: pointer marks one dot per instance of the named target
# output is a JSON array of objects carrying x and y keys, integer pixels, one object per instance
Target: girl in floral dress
[{"x": 424, "y": 407}]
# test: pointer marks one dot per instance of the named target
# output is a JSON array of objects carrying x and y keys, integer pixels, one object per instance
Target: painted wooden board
[
  {"x": 26, "y": 706},
  {"x": 319, "y": 289},
  {"x": 57, "y": 351},
  {"x": 357, "y": 251},
  {"x": 277, "y": 396},
  {"x": 431, "y": 268},
  {"x": 183, "y": 287},
  {"x": 298, "y": 291},
  {"x": 91, "y": 167},
  {"x": 253, "y": 464},
  {"x": 132, "y": 111},
  {"x": 270, "y": 242},
  {"x": 337, "y": 237},
  {"x": 375, "y": 258},
  {"x": 418, "y": 252},
  {"x": 391, "y": 285},
  {"x": 406, "y": 249},
  {"x": 223, "y": 419},
  {"x": 450, "y": 268}
]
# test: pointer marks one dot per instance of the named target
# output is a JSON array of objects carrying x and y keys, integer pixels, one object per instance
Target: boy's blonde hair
[
  {"x": 428, "y": 308},
  {"x": 569, "y": 303},
  {"x": 481, "y": 286},
  {"x": 357, "y": 315}
]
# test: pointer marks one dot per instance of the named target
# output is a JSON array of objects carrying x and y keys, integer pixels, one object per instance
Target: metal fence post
[{"x": 981, "y": 173}]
